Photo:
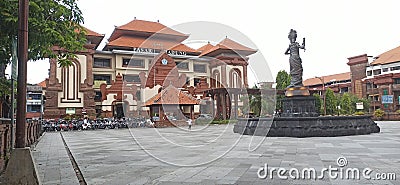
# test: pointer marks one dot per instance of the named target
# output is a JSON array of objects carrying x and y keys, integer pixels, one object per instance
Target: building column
[
  {"x": 53, "y": 72},
  {"x": 212, "y": 105},
  {"x": 191, "y": 111},
  {"x": 89, "y": 103},
  {"x": 224, "y": 107},
  {"x": 228, "y": 106},
  {"x": 244, "y": 76},
  {"x": 235, "y": 106},
  {"x": 218, "y": 110},
  {"x": 89, "y": 69},
  {"x": 223, "y": 76}
]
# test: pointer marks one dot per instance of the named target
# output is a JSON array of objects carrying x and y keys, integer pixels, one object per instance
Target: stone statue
[{"x": 296, "y": 69}]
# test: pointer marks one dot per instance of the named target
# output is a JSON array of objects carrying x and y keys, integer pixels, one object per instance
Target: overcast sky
[{"x": 334, "y": 30}]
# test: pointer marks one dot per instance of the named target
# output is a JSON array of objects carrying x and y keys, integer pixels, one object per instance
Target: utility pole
[{"x": 22, "y": 70}]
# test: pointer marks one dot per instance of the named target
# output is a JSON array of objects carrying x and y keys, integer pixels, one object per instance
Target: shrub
[
  {"x": 223, "y": 121},
  {"x": 359, "y": 113},
  {"x": 379, "y": 113}
]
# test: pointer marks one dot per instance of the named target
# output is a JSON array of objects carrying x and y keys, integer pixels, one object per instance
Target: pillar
[
  {"x": 223, "y": 76},
  {"x": 218, "y": 100},
  {"x": 224, "y": 107},
  {"x": 244, "y": 77},
  {"x": 235, "y": 106}
]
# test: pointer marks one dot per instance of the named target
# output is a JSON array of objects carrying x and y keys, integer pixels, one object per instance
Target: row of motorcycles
[{"x": 107, "y": 123}]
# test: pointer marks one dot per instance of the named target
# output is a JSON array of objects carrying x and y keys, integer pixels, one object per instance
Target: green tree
[
  {"x": 366, "y": 103},
  {"x": 51, "y": 23},
  {"x": 331, "y": 102},
  {"x": 347, "y": 103},
  {"x": 282, "y": 80},
  {"x": 318, "y": 103}
]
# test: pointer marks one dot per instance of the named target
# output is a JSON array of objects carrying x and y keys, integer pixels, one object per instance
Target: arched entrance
[{"x": 120, "y": 108}]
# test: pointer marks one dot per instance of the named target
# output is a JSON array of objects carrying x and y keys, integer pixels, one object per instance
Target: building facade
[
  {"x": 34, "y": 102},
  {"x": 382, "y": 81},
  {"x": 377, "y": 79},
  {"x": 139, "y": 60}
]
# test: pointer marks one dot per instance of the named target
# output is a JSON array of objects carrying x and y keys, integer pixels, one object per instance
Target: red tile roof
[
  {"x": 387, "y": 57},
  {"x": 205, "y": 48},
  {"x": 148, "y": 26},
  {"x": 335, "y": 77},
  {"x": 42, "y": 83},
  {"x": 92, "y": 33},
  {"x": 172, "y": 96},
  {"x": 228, "y": 44},
  {"x": 144, "y": 27},
  {"x": 183, "y": 47}
]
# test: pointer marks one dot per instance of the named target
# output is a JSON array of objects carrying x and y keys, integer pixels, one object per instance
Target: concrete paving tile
[{"x": 113, "y": 156}]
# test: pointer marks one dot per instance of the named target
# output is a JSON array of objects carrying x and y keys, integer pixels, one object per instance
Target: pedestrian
[{"x": 189, "y": 121}]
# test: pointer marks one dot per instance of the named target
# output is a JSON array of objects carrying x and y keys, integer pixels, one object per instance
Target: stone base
[
  {"x": 21, "y": 168},
  {"x": 299, "y": 106},
  {"x": 297, "y": 91},
  {"x": 326, "y": 126}
]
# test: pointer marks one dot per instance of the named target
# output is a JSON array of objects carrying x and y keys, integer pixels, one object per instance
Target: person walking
[{"x": 189, "y": 121}]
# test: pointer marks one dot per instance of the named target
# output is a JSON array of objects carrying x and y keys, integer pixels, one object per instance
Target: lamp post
[
  {"x": 323, "y": 90},
  {"x": 373, "y": 94}
]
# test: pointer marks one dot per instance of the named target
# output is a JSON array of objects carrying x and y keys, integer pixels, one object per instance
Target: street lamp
[
  {"x": 323, "y": 90},
  {"x": 373, "y": 93}
]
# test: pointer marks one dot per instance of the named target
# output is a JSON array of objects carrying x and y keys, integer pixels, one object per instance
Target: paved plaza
[{"x": 209, "y": 155}]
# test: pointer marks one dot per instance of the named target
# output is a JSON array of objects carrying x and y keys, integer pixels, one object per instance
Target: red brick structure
[
  {"x": 358, "y": 64},
  {"x": 59, "y": 81}
]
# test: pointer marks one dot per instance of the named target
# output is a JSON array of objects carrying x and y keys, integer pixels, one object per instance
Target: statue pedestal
[
  {"x": 297, "y": 91},
  {"x": 298, "y": 103}
]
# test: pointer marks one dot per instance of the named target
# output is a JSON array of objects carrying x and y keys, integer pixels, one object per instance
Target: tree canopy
[
  {"x": 282, "y": 80},
  {"x": 51, "y": 23}
]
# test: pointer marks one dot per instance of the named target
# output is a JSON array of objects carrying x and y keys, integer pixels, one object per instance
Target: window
[
  {"x": 182, "y": 65},
  {"x": 98, "y": 95},
  {"x": 196, "y": 81},
  {"x": 377, "y": 72},
  {"x": 132, "y": 78},
  {"x": 138, "y": 95},
  {"x": 369, "y": 73},
  {"x": 395, "y": 68},
  {"x": 187, "y": 81},
  {"x": 235, "y": 80},
  {"x": 106, "y": 78},
  {"x": 34, "y": 96},
  {"x": 200, "y": 68},
  {"x": 134, "y": 62},
  {"x": 33, "y": 108},
  {"x": 150, "y": 61},
  {"x": 385, "y": 69},
  {"x": 102, "y": 62},
  {"x": 396, "y": 81}
]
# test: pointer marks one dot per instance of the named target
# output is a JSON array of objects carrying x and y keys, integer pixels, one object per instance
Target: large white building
[{"x": 138, "y": 61}]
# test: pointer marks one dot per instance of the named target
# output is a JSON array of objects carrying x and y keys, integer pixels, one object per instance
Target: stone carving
[{"x": 296, "y": 68}]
